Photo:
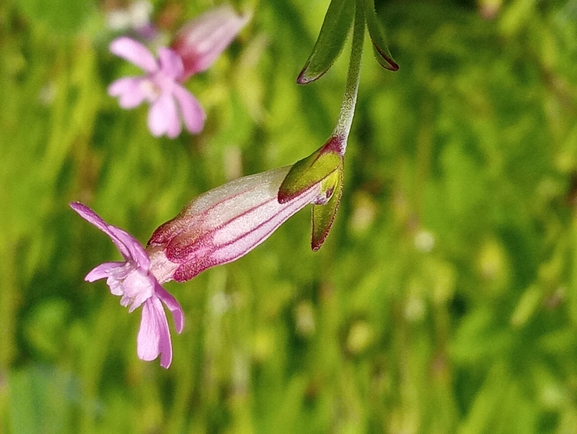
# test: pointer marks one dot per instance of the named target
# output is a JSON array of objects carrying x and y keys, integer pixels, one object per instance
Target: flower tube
[{"x": 226, "y": 223}]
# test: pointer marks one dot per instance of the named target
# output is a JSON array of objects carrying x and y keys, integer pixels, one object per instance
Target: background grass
[{"x": 445, "y": 299}]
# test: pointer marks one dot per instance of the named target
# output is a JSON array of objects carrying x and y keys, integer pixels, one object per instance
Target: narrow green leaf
[
  {"x": 324, "y": 215},
  {"x": 377, "y": 35},
  {"x": 308, "y": 172},
  {"x": 330, "y": 42}
]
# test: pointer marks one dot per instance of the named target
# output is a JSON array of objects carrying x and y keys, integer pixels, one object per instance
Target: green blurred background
[{"x": 445, "y": 298}]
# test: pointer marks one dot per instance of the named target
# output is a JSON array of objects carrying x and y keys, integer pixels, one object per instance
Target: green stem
[{"x": 347, "y": 112}]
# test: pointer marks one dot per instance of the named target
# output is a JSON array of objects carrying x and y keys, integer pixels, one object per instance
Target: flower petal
[
  {"x": 173, "y": 305},
  {"x": 192, "y": 113},
  {"x": 154, "y": 335},
  {"x": 126, "y": 243},
  {"x": 103, "y": 271},
  {"x": 170, "y": 63},
  {"x": 138, "y": 287},
  {"x": 93, "y": 218},
  {"x": 90, "y": 216},
  {"x": 134, "y": 52},
  {"x": 163, "y": 117},
  {"x": 129, "y": 91},
  {"x": 135, "y": 250}
]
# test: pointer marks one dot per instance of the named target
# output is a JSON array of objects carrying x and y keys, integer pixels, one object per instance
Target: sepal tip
[{"x": 323, "y": 215}]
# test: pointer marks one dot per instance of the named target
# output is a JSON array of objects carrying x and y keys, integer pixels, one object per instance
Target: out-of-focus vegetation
[{"x": 445, "y": 299}]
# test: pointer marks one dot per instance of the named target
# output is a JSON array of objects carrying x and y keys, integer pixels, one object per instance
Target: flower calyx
[{"x": 323, "y": 167}]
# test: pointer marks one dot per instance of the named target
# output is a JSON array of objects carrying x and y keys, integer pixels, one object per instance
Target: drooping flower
[
  {"x": 196, "y": 47},
  {"x": 217, "y": 227},
  {"x": 137, "y": 286}
]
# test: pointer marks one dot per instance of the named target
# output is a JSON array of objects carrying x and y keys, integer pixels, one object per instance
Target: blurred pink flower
[
  {"x": 134, "y": 282},
  {"x": 170, "y": 101},
  {"x": 195, "y": 48},
  {"x": 200, "y": 41}
]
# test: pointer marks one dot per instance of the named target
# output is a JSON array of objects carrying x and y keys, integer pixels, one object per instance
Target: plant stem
[{"x": 347, "y": 112}]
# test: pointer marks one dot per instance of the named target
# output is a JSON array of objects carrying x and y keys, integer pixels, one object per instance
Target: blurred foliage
[{"x": 445, "y": 299}]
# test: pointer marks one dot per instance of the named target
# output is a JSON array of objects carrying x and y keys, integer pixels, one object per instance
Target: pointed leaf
[
  {"x": 324, "y": 215},
  {"x": 377, "y": 35},
  {"x": 308, "y": 172},
  {"x": 330, "y": 42}
]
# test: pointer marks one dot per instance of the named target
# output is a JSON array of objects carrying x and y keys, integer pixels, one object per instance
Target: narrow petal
[
  {"x": 173, "y": 305},
  {"x": 128, "y": 90},
  {"x": 135, "y": 251},
  {"x": 192, "y": 113},
  {"x": 163, "y": 117},
  {"x": 154, "y": 335},
  {"x": 201, "y": 41},
  {"x": 93, "y": 218},
  {"x": 134, "y": 52},
  {"x": 170, "y": 63},
  {"x": 103, "y": 271},
  {"x": 129, "y": 247},
  {"x": 90, "y": 216}
]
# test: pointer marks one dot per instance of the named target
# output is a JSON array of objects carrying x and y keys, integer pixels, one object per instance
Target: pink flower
[
  {"x": 170, "y": 101},
  {"x": 137, "y": 285},
  {"x": 195, "y": 48},
  {"x": 202, "y": 40}
]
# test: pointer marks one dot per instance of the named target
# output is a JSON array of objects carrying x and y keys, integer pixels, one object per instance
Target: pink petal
[
  {"x": 192, "y": 113},
  {"x": 126, "y": 243},
  {"x": 134, "y": 52},
  {"x": 173, "y": 306},
  {"x": 154, "y": 335},
  {"x": 129, "y": 90},
  {"x": 93, "y": 218},
  {"x": 90, "y": 216},
  {"x": 170, "y": 63},
  {"x": 201, "y": 41},
  {"x": 138, "y": 287},
  {"x": 102, "y": 271},
  {"x": 135, "y": 251},
  {"x": 163, "y": 117}
]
